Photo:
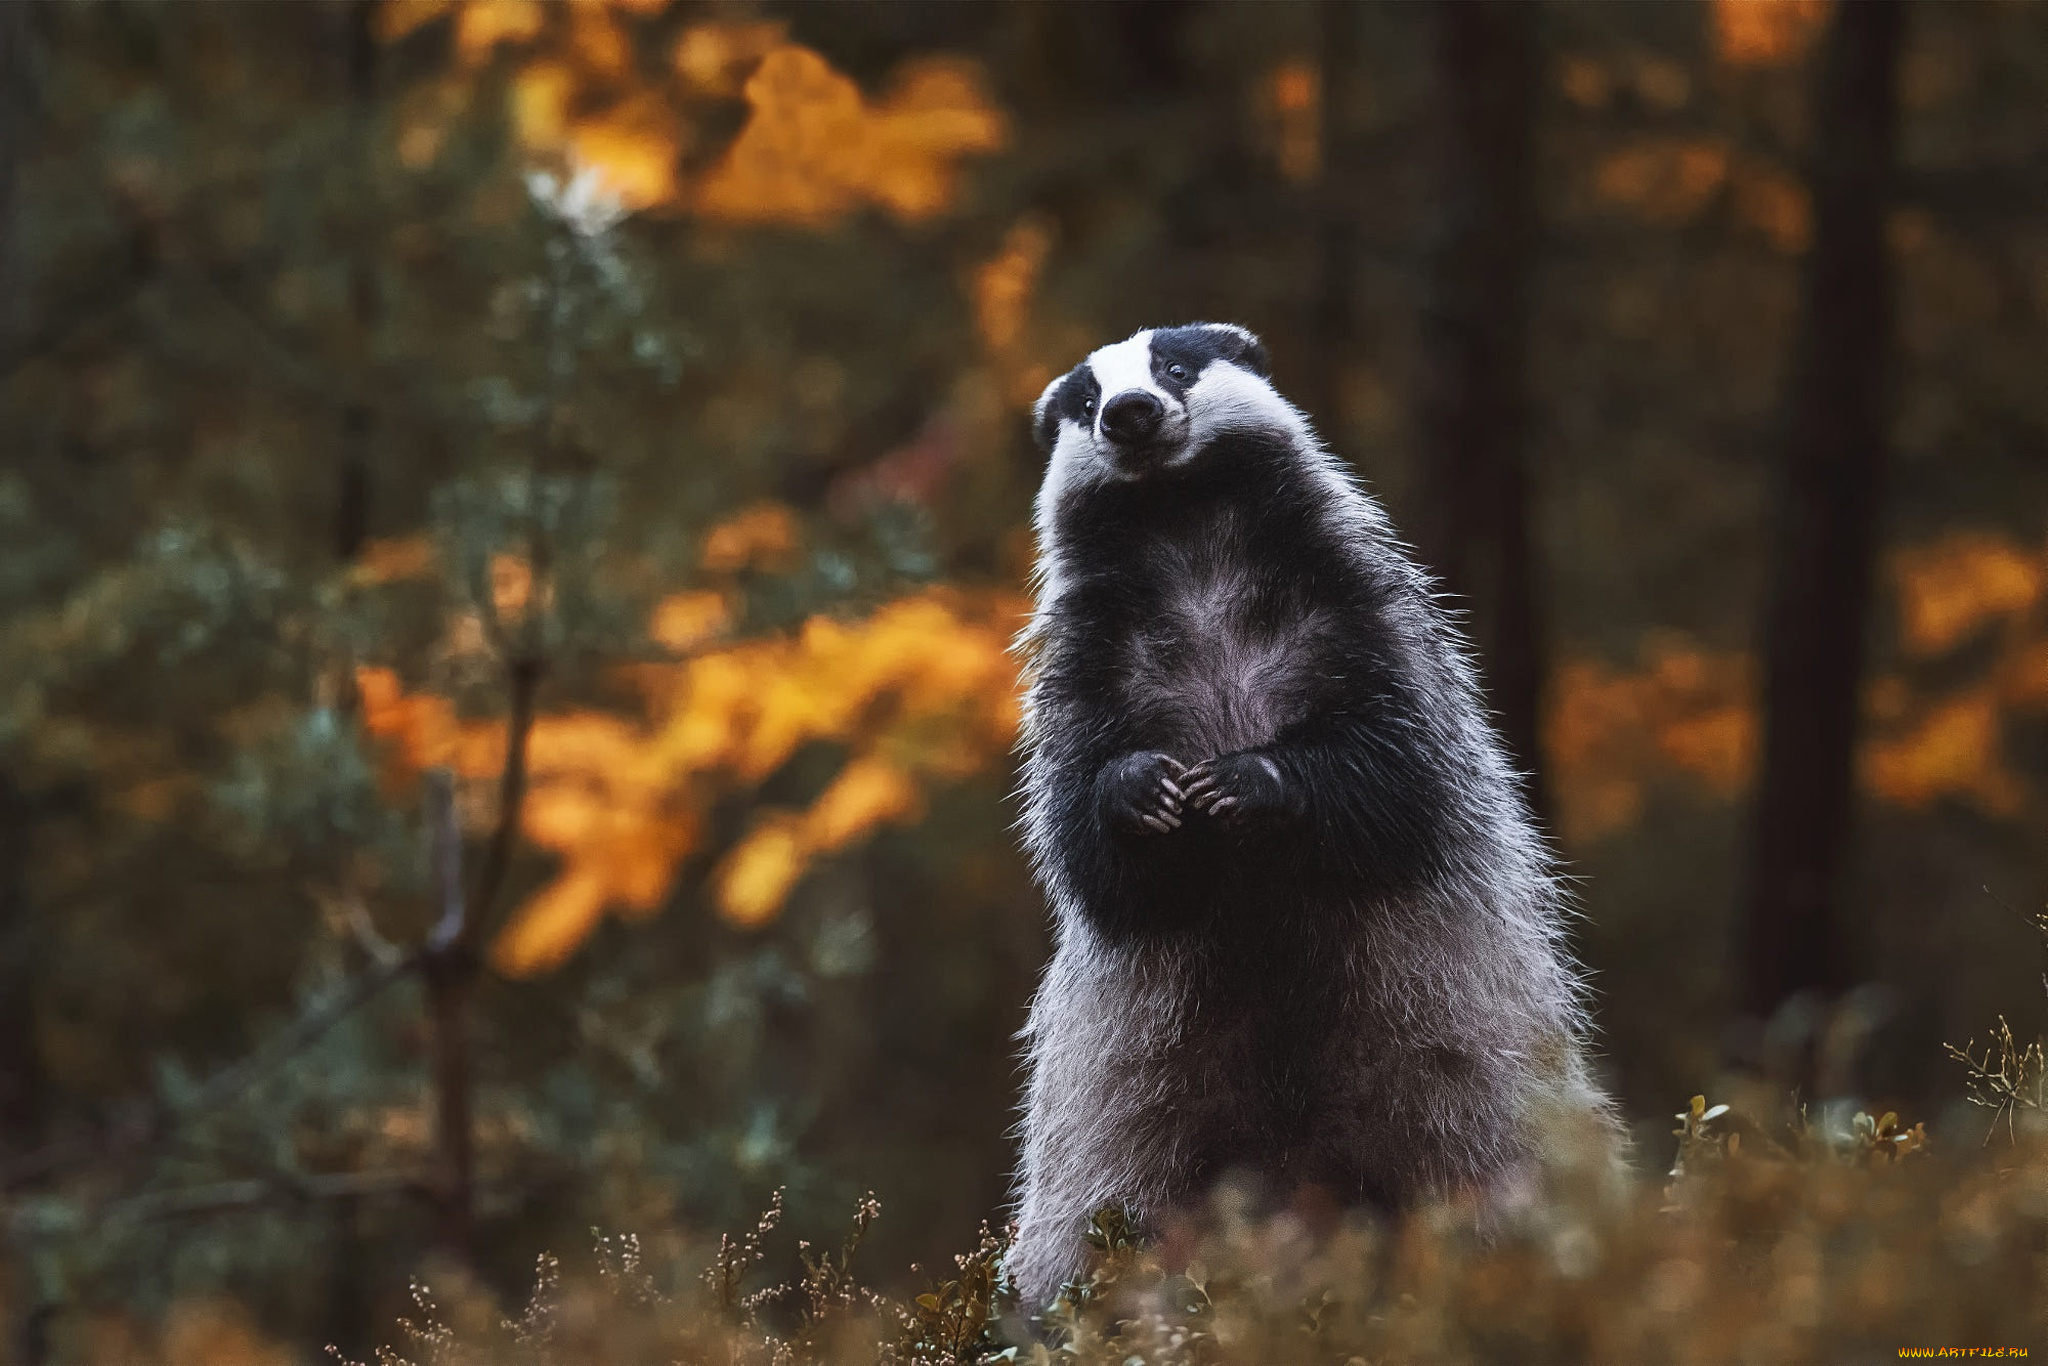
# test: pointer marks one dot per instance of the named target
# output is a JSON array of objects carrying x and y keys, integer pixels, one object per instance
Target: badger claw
[
  {"x": 1139, "y": 793},
  {"x": 1236, "y": 789}
]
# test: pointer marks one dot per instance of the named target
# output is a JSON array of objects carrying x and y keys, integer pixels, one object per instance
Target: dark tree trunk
[
  {"x": 1332, "y": 327},
  {"x": 451, "y": 982},
  {"x": 22, "y": 1089},
  {"x": 352, "y": 494},
  {"x": 450, "y": 971},
  {"x": 23, "y": 1085},
  {"x": 14, "y": 114},
  {"x": 1474, "y": 529},
  {"x": 1826, "y": 536}
]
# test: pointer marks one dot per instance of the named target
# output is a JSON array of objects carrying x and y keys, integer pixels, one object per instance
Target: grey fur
[{"x": 1454, "y": 1011}]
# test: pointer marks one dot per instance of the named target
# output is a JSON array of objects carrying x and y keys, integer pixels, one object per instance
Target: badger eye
[{"x": 1177, "y": 371}]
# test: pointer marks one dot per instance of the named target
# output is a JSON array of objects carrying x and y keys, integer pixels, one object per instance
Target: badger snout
[{"x": 1133, "y": 418}]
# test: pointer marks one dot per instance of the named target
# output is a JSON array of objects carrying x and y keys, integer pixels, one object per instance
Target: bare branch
[
  {"x": 138, "y": 1136},
  {"x": 222, "y": 1196},
  {"x": 345, "y": 911},
  {"x": 447, "y": 837},
  {"x": 525, "y": 681}
]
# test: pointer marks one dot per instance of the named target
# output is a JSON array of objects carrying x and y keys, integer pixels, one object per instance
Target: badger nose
[{"x": 1132, "y": 417}]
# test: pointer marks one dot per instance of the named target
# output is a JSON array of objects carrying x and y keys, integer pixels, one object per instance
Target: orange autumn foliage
[
  {"x": 1963, "y": 588},
  {"x": 1952, "y": 750},
  {"x": 814, "y": 148},
  {"x": 684, "y": 621},
  {"x": 1002, "y": 290},
  {"x": 1670, "y": 181},
  {"x": 1687, "y": 711},
  {"x": 1957, "y": 585},
  {"x": 923, "y": 690},
  {"x": 715, "y": 58},
  {"x": 1766, "y": 32},
  {"x": 760, "y": 537},
  {"x": 1003, "y": 285},
  {"x": 392, "y": 558},
  {"x": 1294, "y": 100},
  {"x": 1610, "y": 730}
]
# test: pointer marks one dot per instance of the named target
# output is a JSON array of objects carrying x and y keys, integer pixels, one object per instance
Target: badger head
[{"x": 1152, "y": 402}]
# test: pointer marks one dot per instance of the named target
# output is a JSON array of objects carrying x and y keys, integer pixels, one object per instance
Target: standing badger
[{"x": 1307, "y": 931}]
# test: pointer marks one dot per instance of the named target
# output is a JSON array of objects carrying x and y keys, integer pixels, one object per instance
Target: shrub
[{"x": 1774, "y": 1239}]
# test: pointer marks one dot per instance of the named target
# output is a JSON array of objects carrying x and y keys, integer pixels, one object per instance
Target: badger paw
[
  {"x": 1141, "y": 794},
  {"x": 1239, "y": 789}
]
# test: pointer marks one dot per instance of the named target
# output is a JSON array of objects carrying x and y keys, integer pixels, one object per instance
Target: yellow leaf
[
  {"x": 481, "y": 25},
  {"x": 762, "y": 536},
  {"x": 759, "y": 875},
  {"x": 550, "y": 926},
  {"x": 866, "y": 793}
]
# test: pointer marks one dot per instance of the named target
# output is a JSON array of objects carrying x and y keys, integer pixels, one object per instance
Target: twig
[
  {"x": 241, "y": 1194},
  {"x": 525, "y": 675},
  {"x": 447, "y": 836},
  {"x": 346, "y": 911},
  {"x": 108, "y": 294}
]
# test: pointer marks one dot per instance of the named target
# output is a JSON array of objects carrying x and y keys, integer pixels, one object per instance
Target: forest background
[{"x": 512, "y": 517}]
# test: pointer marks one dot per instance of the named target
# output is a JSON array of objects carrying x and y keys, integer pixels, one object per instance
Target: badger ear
[
  {"x": 1245, "y": 349},
  {"x": 1045, "y": 425}
]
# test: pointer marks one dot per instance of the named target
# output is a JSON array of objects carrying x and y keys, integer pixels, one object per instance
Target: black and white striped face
[{"x": 1149, "y": 403}]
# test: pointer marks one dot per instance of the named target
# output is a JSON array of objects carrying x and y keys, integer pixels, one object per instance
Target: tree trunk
[
  {"x": 24, "y": 1089},
  {"x": 1474, "y": 529},
  {"x": 352, "y": 495},
  {"x": 22, "y": 1084},
  {"x": 1332, "y": 327},
  {"x": 450, "y": 981},
  {"x": 450, "y": 968},
  {"x": 14, "y": 115},
  {"x": 1792, "y": 937}
]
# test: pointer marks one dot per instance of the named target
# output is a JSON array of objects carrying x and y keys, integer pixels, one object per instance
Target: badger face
[{"x": 1150, "y": 403}]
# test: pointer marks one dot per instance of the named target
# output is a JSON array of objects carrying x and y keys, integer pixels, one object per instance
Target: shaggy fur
[{"x": 1307, "y": 931}]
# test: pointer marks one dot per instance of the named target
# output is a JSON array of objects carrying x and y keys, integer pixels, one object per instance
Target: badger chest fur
[{"x": 1306, "y": 929}]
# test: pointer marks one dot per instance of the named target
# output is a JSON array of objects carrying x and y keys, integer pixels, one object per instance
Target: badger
[{"x": 1307, "y": 931}]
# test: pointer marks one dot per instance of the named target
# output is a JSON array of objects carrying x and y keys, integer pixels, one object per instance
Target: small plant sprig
[
  {"x": 1701, "y": 1142},
  {"x": 2005, "y": 1076},
  {"x": 1128, "y": 1307},
  {"x": 433, "y": 1339},
  {"x": 536, "y": 1326},
  {"x": 955, "y": 1323},
  {"x": 1876, "y": 1142},
  {"x": 1710, "y": 1140},
  {"x": 831, "y": 1293},
  {"x": 728, "y": 1271}
]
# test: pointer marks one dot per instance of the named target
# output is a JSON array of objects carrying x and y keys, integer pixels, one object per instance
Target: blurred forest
[{"x": 512, "y": 517}]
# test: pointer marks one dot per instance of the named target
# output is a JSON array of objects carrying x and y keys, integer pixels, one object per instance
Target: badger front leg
[
  {"x": 1244, "y": 788},
  {"x": 1355, "y": 797}
]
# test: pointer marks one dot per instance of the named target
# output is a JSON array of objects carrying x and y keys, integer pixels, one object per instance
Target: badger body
[{"x": 1306, "y": 929}]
